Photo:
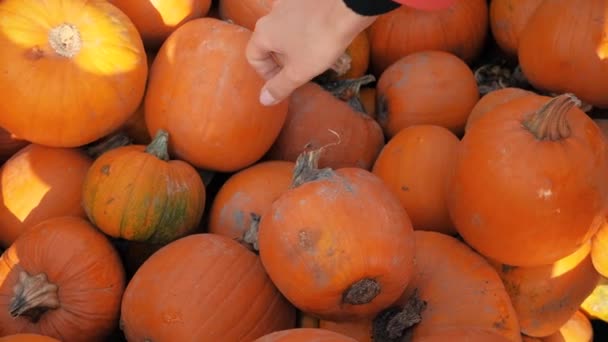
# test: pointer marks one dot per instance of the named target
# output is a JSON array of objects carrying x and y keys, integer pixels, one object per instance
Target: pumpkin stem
[
  {"x": 65, "y": 40},
  {"x": 33, "y": 296},
  {"x": 250, "y": 237},
  {"x": 109, "y": 143},
  {"x": 550, "y": 121},
  {"x": 347, "y": 89},
  {"x": 393, "y": 324},
  {"x": 307, "y": 165},
  {"x": 159, "y": 146},
  {"x": 361, "y": 292}
]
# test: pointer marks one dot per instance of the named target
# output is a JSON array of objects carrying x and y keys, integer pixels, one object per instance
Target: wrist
[
  {"x": 371, "y": 7},
  {"x": 346, "y": 22}
]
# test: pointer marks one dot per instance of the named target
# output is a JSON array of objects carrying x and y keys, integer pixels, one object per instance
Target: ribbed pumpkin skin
[
  {"x": 221, "y": 293},
  {"x": 39, "y": 183},
  {"x": 84, "y": 265},
  {"x": 68, "y": 98},
  {"x": 131, "y": 194}
]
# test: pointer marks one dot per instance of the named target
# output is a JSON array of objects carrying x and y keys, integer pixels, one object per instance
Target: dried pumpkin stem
[
  {"x": 362, "y": 292},
  {"x": 550, "y": 121},
  {"x": 393, "y": 324},
  {"x": 307, "y": 165},
  {"x": 250, "y": 237},
  {"x": 113, "y": 141},
  {"x": 159, "y": 146},
  {"x": 33, "y": 296},
  {"x": 65, "y": 40}
]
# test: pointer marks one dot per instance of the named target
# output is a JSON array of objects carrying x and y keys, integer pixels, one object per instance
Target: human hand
[{"x": 298, "y": 40}]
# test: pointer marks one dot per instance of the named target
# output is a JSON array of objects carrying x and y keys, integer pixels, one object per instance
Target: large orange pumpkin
[
  {"x": 205, "y": 94},
  {"x": 415, "y": 165},
  {"x": 247, "y": 195},
  {"x": 317, "y": 119},
  {"x": 27, "y": 338},
  {"x": 157, "y": 19},
  {"x": 460, "y": 29},
  {"x": 39, "y": 183},
  {"x": 137, "y": 193},
  {"x": 203, "y": 287},
  {"x": 455, "y": 294},
  {"x": 304, "y": 335},
  {"x": 507, "y": 21},
  {"x": 338, "y": 244},
  {"x": 545, "y": 297},
  {"x": 492, "y": 100},
  {"x": 529, "y": 185},
  {"x": 429, "y": 87},
  {"x": 70, "y": 72},
  {"x": 563, "y": 48},
  {"x": 62, "y": 278}
]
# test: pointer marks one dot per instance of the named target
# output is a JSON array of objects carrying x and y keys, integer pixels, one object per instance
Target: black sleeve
[{"x": 371, "y": 7}]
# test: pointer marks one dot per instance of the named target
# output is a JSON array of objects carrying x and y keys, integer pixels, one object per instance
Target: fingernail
[{"x": 266, "y": 98}]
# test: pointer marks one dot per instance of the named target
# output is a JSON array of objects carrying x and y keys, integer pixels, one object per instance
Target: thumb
[{"x": 279, "y": 87}]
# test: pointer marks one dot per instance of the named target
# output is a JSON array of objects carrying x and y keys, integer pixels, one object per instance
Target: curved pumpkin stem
[
  {"x": 34, "y": 295},
  {"x": 393, "y": 324},
  {"x": 159, "y": 146},
  {"x": 307, "y": 165},
  {"x": 550, "y": 121}
]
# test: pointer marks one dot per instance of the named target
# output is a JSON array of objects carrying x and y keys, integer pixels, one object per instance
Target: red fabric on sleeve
[{"x": 430, "y": 5}]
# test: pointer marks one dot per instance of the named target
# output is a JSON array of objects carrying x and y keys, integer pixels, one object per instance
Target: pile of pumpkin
[{"x": 147, "y": 195}]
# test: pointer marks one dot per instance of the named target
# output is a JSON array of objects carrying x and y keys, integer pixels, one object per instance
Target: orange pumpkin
[
  {"x": 317, "y": 119},
  {"x": 39, "y": 183},
  {"x": 9, "y": 145},
  {"x": 599, "y": 250},
  {"x": 137, "y": 193},
  {"x": 244, "y": 12},
  {"x": 563, "y": 49},
  {"x": 415, "y": 165},
  {"x": 157, "y": 19},
  {"x": 337, "y": 273},
  {"x": 529, "y": 185},
  {"x": 430, "y": 87},
  {"x": 247, "y": 195},
  {"x": 27, "y": 338},
  {"x": 227, "y": 296},
  {"x": 455, "y": 294},
  {"x": 62, "y": 278},
  {"x": 358, "y": 51},
  {"x": 492, "y": 100},
  {"x": 507, "y": 21},
  {"x": 545, "y": 297},
  {"x": 577, "y": 329},
  {"x": 205, "y": 94},
  {"x": 460, "y": 29},
  {"x": 304, "y": 335},
  {"x": 70, "y": 72}
]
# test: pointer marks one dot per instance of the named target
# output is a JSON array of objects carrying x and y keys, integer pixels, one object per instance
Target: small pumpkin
[
  {"x": 508, "y": 18},
  {"x": 85, "y": 65},
  {"x": 317, "y": 119},
  {"x": 221, "y": 293},
  {"x": 429, "y": 87},
  {"x": 529, "y": 185},
  {"x": 415, "y": 165},
  {"x": 563, "y": 49},
  {"x": 304, "y": 335},
  {"x": 220, "y": 116},
  {"x": 454, "y": 294},
  {"x": 577, "y": 329},
  {"x": 61, "y": 278},
  {"x": 247, "y": 195},
  {"x": 460, "y": 29},
  {"x": 492, "y": 100},
  {"x": 546, "y": 297},
  {"x": 333, "y": 272},
  {"x": 157, "y": 19},
  {"x": 39, "y": 183},
  {"x": 137, "y": 193},
  {"x": 27, "y": 338}
]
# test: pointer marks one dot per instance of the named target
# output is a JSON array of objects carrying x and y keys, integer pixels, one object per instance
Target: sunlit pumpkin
[{"x": 71, "y": 72}]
